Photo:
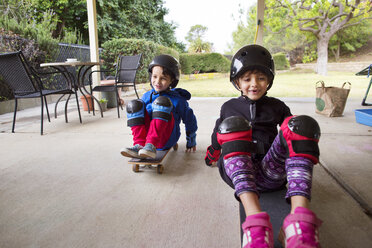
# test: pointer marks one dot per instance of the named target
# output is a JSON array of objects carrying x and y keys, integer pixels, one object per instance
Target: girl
[{"x": 256, "y": 158}]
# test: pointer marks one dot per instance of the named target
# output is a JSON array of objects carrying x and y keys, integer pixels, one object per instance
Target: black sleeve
[
  {"x": 286, "y": 113},
  {"x": 215, "y": 143}
]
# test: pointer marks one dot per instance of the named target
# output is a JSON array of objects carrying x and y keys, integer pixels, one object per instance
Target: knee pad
[
  {"x": 235, "y": 137},
  {"x": 135, "y": 113},
  {"x": 162, "y": 108},
  {"x": 300, "y": 136}
]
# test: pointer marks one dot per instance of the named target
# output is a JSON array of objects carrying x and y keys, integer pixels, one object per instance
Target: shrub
[
  {"x": 10, "y": 42},
  {"x": 281, "y": 61},
  {"x": 34, "y": 39},
  {"x": 39, "y": 33},
  {"x": 115, "y": 47},
  {"x": 167, "y": 50},
  {"x": 203, "y": 62}
]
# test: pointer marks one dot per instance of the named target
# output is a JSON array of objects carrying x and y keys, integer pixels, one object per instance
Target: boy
[{"x": 155, "y": 119}]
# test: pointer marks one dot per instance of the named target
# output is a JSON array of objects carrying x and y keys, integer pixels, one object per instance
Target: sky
[{"x": 221, "y": 17}]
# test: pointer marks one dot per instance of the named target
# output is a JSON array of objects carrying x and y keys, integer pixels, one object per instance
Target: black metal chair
[
  {"x": 26, "y": 82},
  {"x": 366, "y": 72},
  {"x": 125, "y": 76}
]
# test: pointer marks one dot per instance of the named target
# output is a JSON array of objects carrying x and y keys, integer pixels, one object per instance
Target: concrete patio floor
[{"x": 72, "y": 188}]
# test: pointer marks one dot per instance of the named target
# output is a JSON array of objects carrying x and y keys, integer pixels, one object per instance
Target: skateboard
[
  {"x": 142, "y": 163},
  {"x": 276, "y": 206}
]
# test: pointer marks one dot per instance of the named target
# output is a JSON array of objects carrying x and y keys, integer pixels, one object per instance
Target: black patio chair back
[
  {"x": 15, "y": 72},
  {"x": 125, "y": 76},
  {"x": 127, "y": 71},
  {"x": 25, "y": 82}
]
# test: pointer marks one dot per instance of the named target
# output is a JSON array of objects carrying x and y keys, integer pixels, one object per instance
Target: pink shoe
[
  {"x": 300, "y": 230},
  {"x": 258, "y": 231}
]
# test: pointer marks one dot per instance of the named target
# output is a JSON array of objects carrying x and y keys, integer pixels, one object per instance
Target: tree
[
  {"x": 17, "y": 9},
  {"x": 69, "y": 15},
  {"x": 245, "y": 31},
  {"x": 115, "y": 19},
  {"x": 322, "y": 18},
  {"x": 293, "y": 42},
  {"x": 195, "y": 39},
  {"x": 350, "y": 39}
]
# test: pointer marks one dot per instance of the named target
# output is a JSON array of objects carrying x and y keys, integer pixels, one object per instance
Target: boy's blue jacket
[{"x": 181, "y": 110}]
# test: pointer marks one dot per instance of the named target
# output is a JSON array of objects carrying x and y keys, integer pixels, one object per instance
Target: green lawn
[{"x": 287, "y": 84}]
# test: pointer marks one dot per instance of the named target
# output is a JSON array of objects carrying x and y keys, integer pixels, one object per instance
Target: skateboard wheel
[
  {"x": 160, "y": 169},
  {"x": 135, "y": 167},
  {"x": 175, "y": 147}
]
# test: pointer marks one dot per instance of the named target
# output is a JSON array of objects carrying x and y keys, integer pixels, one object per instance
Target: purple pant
[{"x": 271, "y": 173}]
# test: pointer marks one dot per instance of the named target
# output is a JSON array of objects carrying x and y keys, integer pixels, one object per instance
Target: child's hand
[
  {"x": 190, "y": 142},
  {"x": 191, "y": 149}
]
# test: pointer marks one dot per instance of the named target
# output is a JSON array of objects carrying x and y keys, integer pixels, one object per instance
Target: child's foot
[
  {"x": 300, "y": 229},
  {"x": 131, "y": 152},
  {"x": 258, "y": 231},
  {"x": 148, "y": 151}
]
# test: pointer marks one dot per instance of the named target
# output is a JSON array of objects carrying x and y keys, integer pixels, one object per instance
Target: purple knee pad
[{"x": 240, "y": 170}]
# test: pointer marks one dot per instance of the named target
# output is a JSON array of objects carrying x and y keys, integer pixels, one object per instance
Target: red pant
[{"x": 155, "y": 131}]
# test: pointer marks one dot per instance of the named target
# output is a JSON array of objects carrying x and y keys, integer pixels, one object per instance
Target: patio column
[
  {"x": 260, "y": 19},
  {"x": 93, "y": 41}
]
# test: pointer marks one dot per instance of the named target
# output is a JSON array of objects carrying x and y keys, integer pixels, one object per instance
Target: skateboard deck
[
  {"x": 276, "y": 206},
  {"x": 142, "y": 163}
]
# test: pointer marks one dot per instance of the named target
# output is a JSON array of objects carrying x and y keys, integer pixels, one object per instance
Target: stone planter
[
  {"x": 103, "y": 106},
  {"x": 111, "y": 98}
]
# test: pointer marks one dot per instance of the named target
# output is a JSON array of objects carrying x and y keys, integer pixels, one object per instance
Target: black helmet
[
  {"x": 170, "y": 63},
  {"x": 252, "y": 57}
]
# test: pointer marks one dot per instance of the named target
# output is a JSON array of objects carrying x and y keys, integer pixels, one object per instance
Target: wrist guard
[{"x": 212, "y": 155}]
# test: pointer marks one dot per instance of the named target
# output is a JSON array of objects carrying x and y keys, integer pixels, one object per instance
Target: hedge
[
  {"x": 281, "y": 61},
  {"x": 115, "y": 47},
  {"x": 204, "y": 62}
]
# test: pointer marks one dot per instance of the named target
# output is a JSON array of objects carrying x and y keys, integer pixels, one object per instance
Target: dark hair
[
  {"x": 166, "y": 72},
  {"x": 256, "y": 70}
]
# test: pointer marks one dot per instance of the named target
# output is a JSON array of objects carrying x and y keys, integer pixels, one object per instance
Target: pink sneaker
[
  {"x": 300, "y": 230},
  {"x": 258, "y": 231}
]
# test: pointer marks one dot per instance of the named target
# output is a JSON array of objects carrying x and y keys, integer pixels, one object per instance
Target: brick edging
[{"x": 341, "y": 66}]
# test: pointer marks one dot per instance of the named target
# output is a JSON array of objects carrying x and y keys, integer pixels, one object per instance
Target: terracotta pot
[{"x": 84, "y": 102}]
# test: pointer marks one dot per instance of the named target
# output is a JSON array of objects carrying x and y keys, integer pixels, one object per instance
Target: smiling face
[
  {"x": 160, "y": 81},
  {"x": 253, "y": 84}
]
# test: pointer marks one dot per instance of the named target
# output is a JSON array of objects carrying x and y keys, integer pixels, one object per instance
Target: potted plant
[
  {"x": 103, "y": 103},
  {"x": 87, "y": 102}
]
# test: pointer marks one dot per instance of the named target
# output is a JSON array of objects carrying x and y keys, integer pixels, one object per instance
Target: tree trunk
[
  {"x": 57, "y": 33},
  {"x": 338, "y": 51},
  {"x": 321, "y": 65}
]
